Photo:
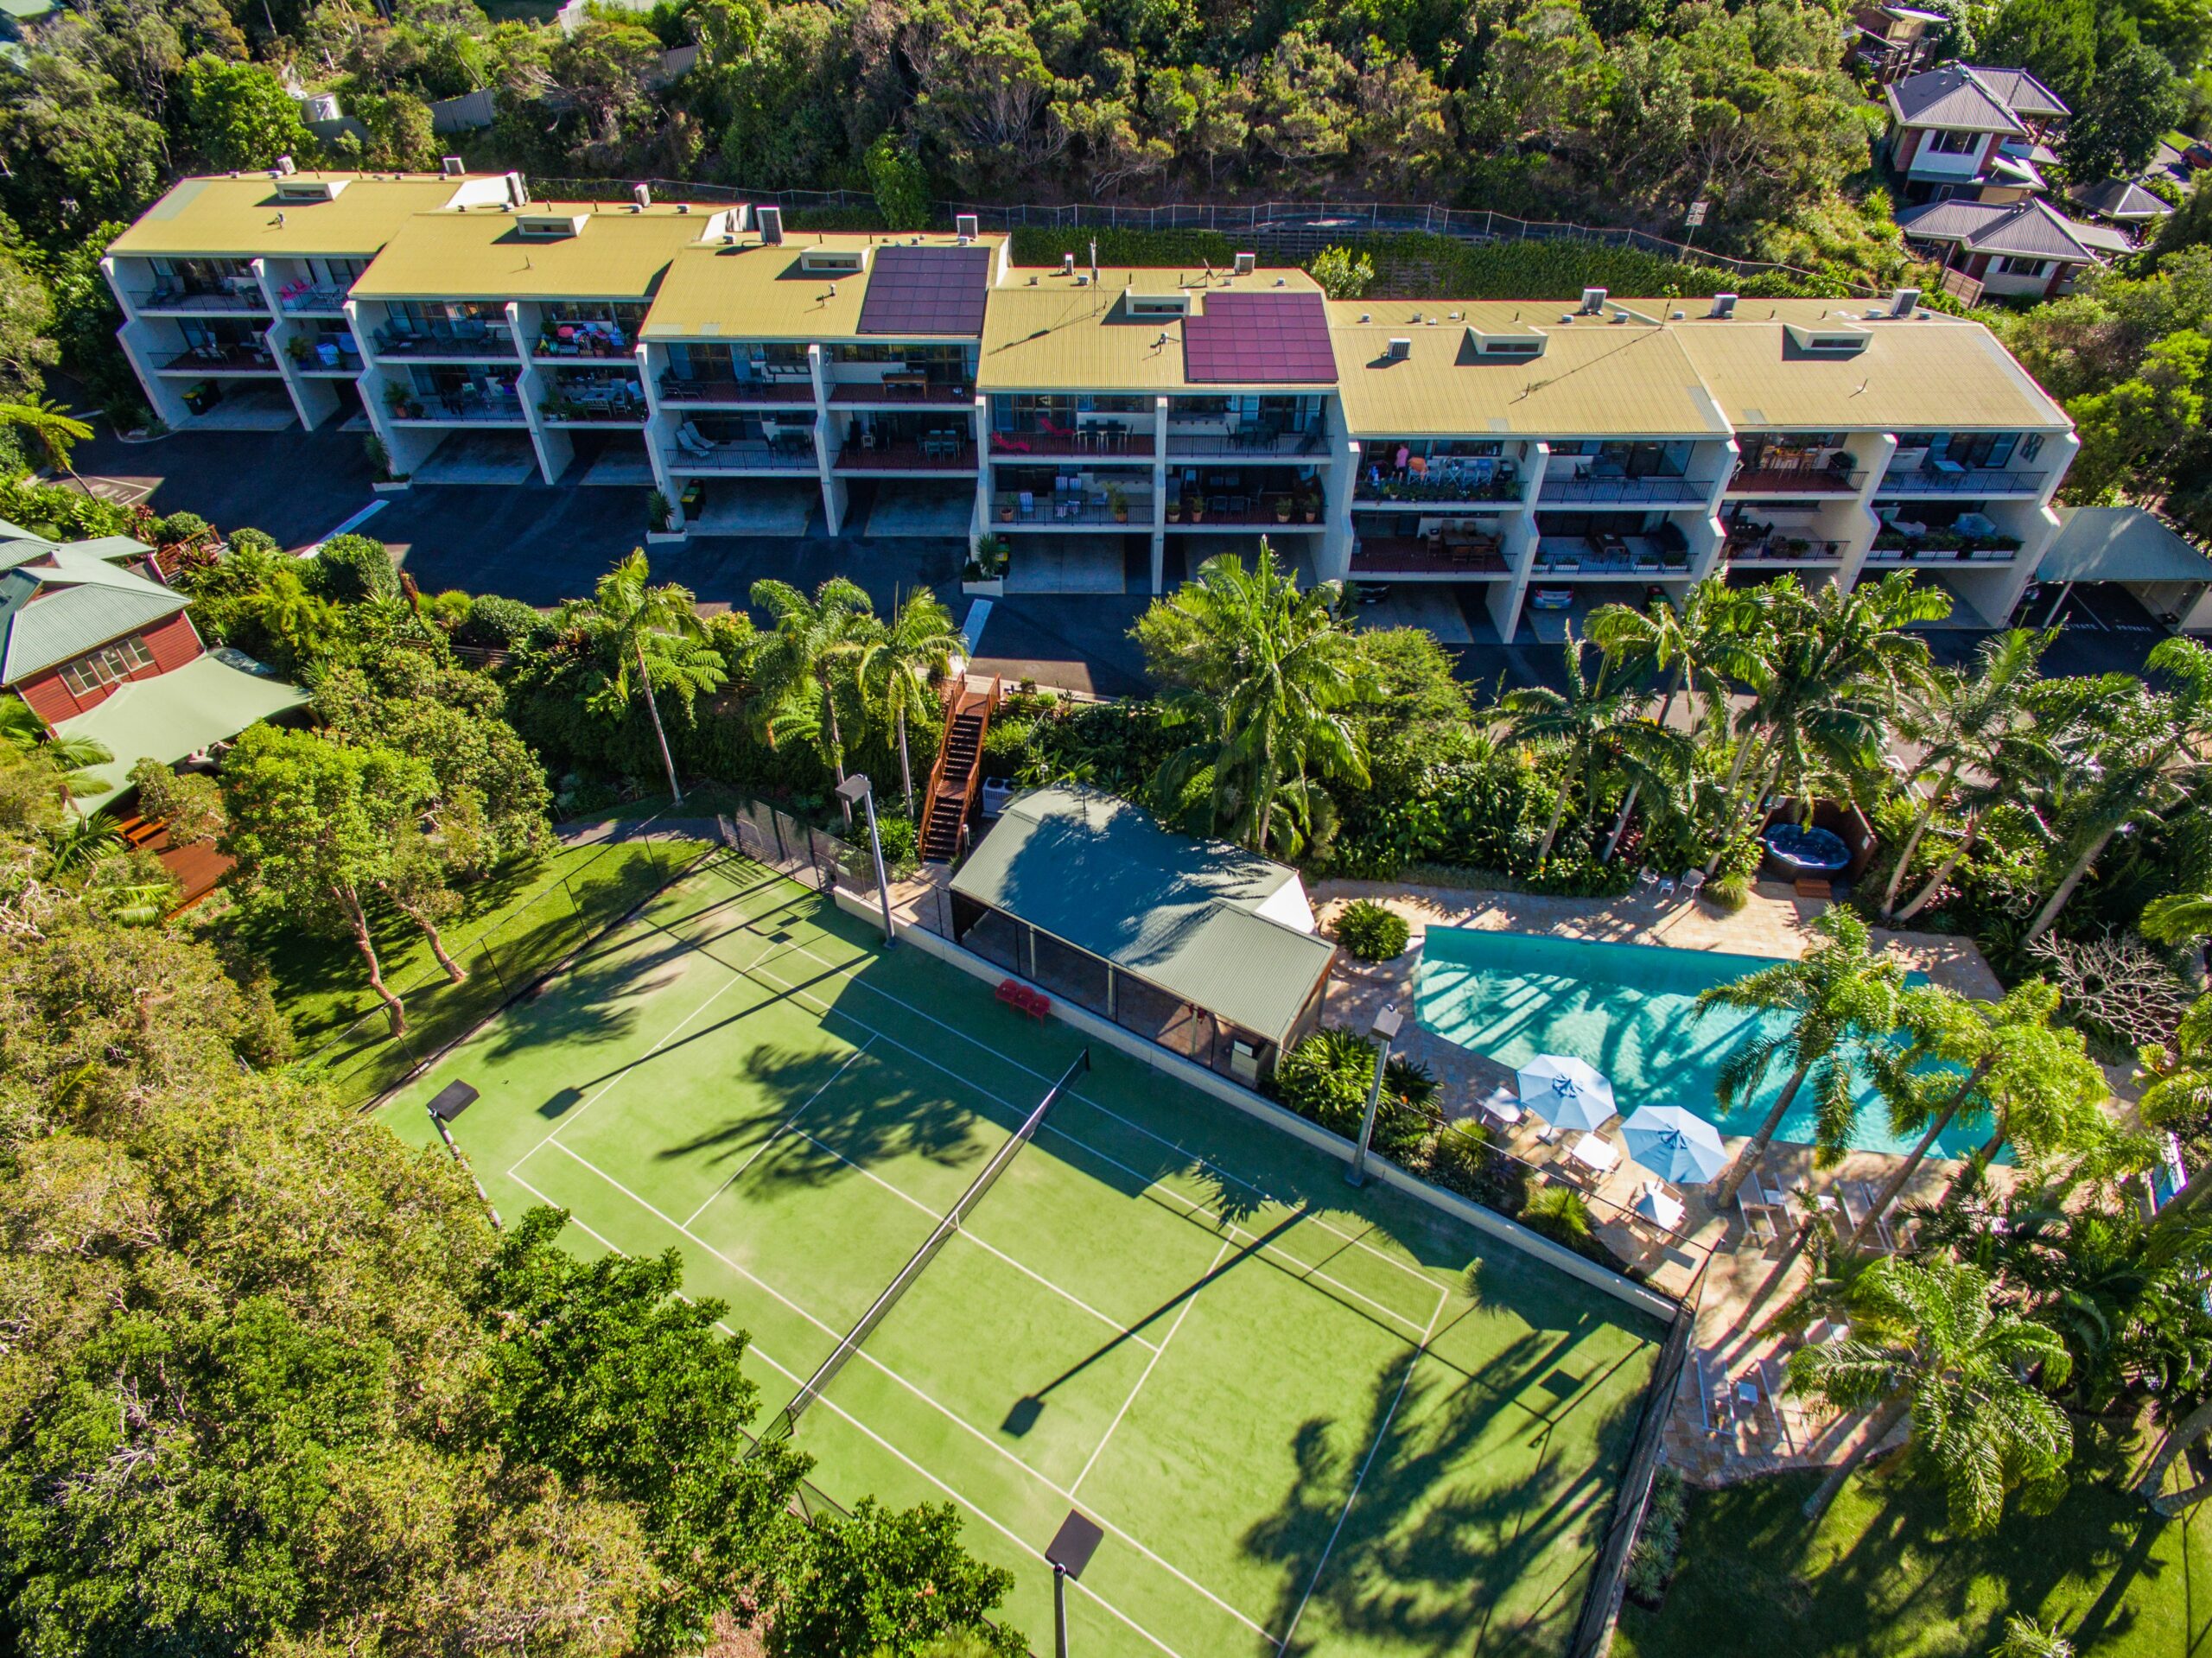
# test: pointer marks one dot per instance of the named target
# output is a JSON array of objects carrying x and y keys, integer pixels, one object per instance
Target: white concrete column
[
  {"x": 1519, "y": 548},
  {"x": 1870, "y": 454},
  {"x": 1159, "y": 494},
  {"x": 1334, "y": 561},
  {"x": 837, "y": 498}
]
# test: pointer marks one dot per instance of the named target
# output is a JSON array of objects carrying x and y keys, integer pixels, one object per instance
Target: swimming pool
[{"x": 1628, "y": 1009}]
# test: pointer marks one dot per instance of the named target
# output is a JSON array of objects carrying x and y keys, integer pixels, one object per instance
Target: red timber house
[{"x": 99, "y": 647}]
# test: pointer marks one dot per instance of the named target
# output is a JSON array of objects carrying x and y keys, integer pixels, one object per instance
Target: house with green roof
[
  {"x": 100, "y": 648},
  {"x": 1208, "y": 949}
]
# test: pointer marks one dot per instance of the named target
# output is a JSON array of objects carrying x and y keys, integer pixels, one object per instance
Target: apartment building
[{"x": 1534, "y": 457}]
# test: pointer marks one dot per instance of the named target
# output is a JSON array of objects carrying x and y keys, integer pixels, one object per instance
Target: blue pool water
[{"x": 1631, "y": 1010}]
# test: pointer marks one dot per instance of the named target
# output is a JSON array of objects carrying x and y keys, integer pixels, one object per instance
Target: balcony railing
[
  {"x": 1608, "y": 555},
  {"x": 1651, "y": 492},
  {"x": 1100, "y": 441},
  {"x": 782, "y": 393},
  {"x": 239, "y": 296},
  {"x": 1284, "y": 511},
  {"x": 748, "y": 455},
  {"x": 1421, "y": 555},
  {"x": 346, "y": 363},
  {"x": 1796, "y": 480},
  {"x": 301, "y": 298},
  {"x": 1433, "y": 491},
  {"x": 1245, "y": 441},
  {"x": 437, "y": 411},
  {"x": 494, "y": 343},
  {"x": 1785, "y": 549},
  {"x": 1948, "y": 478},
  {"x": 608, "y": 411},
  {"x": 952, "y": 454},
  {"x": 1017, "y": 509},
  {"x": 251, "y": 360},
  {"x": 901, "y": 390},
  {"x": 1961, "y": 549}
]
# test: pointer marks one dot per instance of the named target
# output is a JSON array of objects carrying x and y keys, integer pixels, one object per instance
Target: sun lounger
[
  {"x": 1865, "y": 1194},
  {"x": 1758, "y": 1221}
]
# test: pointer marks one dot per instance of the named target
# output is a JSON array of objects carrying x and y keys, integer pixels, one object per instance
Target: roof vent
[
  {"x": 1826, "y": 339},
  {"x": 1593, "y": 301},
  {"x": 1246, "y": 264},
  {"x": 1518, "y": 344},
  {"x": 833, "y": 262},
  {"x": 452, "y": 167},
  {"x": 1401, "y": 349},
  {"x": 1724, "y": 305},
  {"x": 549, "y": 227},
  {"x": 640, "y": 197},
  {"x": 967, "y": 226},
  {"x": 294, "y": 190},
  {"x": 683, "y": 206},
  {"x": 1175, "y": 304},
  {"x": 771, "y": 220},
  {"x": 1067, "y": 264},
  {"x": 1905, "y": 301}
]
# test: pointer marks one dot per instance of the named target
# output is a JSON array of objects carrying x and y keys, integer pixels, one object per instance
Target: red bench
[{"x": 1017, "y": 995}]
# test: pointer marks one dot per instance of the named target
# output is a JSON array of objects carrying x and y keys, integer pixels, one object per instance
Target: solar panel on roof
[
  {"x": 1259, "y": 338},
  {"x": 916, "y": 291}
]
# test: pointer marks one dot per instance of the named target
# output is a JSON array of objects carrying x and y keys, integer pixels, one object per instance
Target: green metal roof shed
[
  {"x": 1226, "y": 930},
  {"x": 209, "y": 700},
  {"x": 2119, "y": 543}
]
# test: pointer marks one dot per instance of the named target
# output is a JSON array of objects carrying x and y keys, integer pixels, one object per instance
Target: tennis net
[{"x": 785, "y": 1424}]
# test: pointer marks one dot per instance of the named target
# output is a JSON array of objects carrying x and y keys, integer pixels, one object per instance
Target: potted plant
[
  {"x": 985, "y": 571},
  {"x": 657, "y": 513},
  {"x": 1197, "y": 507},
  {"x": 1283, "y": 509},
  {"x": 1006, "y": 512},
  {"x": 1175, "y": 511},
  {"x": 296, "y": 348},
  {"x": 1312, "y": 503},
  {"x": 1118, "y": 503}
]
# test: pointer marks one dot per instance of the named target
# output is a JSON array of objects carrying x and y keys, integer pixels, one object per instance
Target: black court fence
[
  {"x": 1297, "y": 227},
  {"x": 1601, "y": 1606},
  {"x": 813, "y": 857},
  {"x": 583, "y": 899}
]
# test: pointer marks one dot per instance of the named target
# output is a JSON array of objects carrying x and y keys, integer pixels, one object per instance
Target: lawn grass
[{"x": 1882, "y": 1574}]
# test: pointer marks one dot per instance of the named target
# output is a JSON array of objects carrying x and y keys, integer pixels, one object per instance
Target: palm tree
[
  {"x": 1967, "y": 720},
  {"x": 2176, "y": 919},
  {"x": 656, "y": 633},
  {"x": 1596, "y": 732},
  {"x": 798, "y": 668},
  {"x": 2025, "y": 1638},
  {"x": 898, "y": 668},
  {"x": 1280, "y": 672},
  {"x": 51, "y": 427},
  {"x": 1846, "y": 1001},
  {"x": 1935, "y": 1343},
  {"x": 1660, "y": 637},
  {"x": 72, "y": 758}
]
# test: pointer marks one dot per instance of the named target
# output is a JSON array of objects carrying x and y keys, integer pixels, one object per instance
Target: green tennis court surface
[{"x": 1309, "y": 1419}]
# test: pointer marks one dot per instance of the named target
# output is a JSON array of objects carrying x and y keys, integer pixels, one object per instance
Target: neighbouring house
[
  {"x": 2163, "y": 571},
  {"x": 2123, "y": 204},
  {"x": 1963, "y": 132},
  {"x": 1895, "y": 39},
  {"x": 99, "y": 648},
  {"x": 1205, "y": 949},
  {"x": 2023, "y": 248}
]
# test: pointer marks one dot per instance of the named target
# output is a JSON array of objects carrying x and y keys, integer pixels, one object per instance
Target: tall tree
[
  {"x": 1844, "y": 1000},
  {"x": 884, "y": 1583},
  {"x": 653, "y": 637},
  {"x": 1934, "y": 1342},
  {"x": 806, "y": 659},
  {"x": 1594, "y": 734},
  {"x": 52, "y": 428},
  {"x": 899, "y": 669}
]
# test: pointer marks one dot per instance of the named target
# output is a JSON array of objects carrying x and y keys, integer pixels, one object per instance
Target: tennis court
[{"x": 1308, "y": 1419}]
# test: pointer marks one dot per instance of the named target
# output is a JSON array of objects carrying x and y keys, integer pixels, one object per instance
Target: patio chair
[
  {"x": 1693, "y": 881},
  {"x": 1025, "y": 506},
  {"x": 1646, "y": 881},
  {"x": 693, "y": 441}
]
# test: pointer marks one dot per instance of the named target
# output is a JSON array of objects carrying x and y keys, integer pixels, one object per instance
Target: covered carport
[{"x": 2133, "y": 550}]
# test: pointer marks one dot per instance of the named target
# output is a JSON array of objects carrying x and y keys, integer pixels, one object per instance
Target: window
[
  {"x": 2013, "y": 266},
  {"x": 106, "y": 665},
  {"x": 1953, "y": 143}
]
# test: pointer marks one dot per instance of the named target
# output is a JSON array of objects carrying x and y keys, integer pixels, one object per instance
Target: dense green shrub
[
  {"x": 355, "y": 568},
  {"x": 1326, "y": 1079},
  {"x": 1371, "y": 933},
  {"x": 1659, "y": 1543},
  {"x": 1561, "y": 1215},
  {"x": 499, "y": 624},
  {"x": 60, "y": 514}
]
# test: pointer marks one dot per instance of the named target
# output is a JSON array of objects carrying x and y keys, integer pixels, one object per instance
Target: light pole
[
  {"x": 1385, "y": 1031},
  {"x": 854, "y": 790},
  {"x": 452, "y": 1100},
  {"x": 1069, "y": 1551}
]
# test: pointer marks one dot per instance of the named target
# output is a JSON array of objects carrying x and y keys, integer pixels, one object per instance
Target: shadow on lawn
[{"x": 1441, "y": 1552}]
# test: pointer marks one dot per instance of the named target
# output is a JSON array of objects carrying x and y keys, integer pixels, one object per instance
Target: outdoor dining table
[{"x": 1598, "y": 1156}]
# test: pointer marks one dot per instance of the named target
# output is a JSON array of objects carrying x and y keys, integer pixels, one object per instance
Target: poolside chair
[
  {"x": 1693, "y": 880},
  {"x": 1646, "y": 881}
]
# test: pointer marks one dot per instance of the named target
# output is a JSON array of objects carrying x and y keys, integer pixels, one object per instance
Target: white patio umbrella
[
  {"x": 1655, "y": 1204},
  {"x": 1565, "y": 1092},
  {"x": 1676, "y": 1144}
]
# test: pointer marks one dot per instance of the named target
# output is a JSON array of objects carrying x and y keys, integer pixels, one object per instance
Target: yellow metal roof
[
  {"x": 1043, "y": 331},
  {"x": 748, "y": 291},
  {"x": 1596, "y": 379},
  {"x": 478, "y": 254},
  {"x": 1929, "y": 371},
  {"x": 236, "y": 218}
]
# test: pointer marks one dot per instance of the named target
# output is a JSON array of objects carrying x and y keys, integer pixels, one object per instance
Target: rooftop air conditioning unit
[
  {"x": 1401, "y": 348},
  {"x": 640, "y": 197},
  {"x": 285, "y": 167},
  {"x": 1905, "y": 301},
  {"x": 1067, "y": 264},
  {"x": 967, "y": 226},
  {"x": 517, "y": 192},
  {"x": 1724, "y": 305},
  {"x": 1246, "y": 262},
  {"x": 771, "y": 226},
  {"x": 1593, "y": 301}
]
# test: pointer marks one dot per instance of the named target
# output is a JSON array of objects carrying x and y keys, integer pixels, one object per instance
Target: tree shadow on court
[
  {"x": 852, "y": 1114},
  {"x": 599, "y": 1000},
  {"x": 1445, "y": 1550}
]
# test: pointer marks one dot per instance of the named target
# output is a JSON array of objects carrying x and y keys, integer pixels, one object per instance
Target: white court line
[
  {"x": 761, "y": 1150},
  {"x": 1182, "y": 1313},
  {"x": 1303, "y": 1270},
  {"x": 1073, "y": 1299},
  {"x": 949, "y": 1416},
  {"x": 1200, "y": 1157},
  {"x": 1380, "y": 1433},
  {"x": 755, "y": 1350}
]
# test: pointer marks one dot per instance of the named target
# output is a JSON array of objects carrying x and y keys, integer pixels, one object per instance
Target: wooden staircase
[{"x": 958, "y": 772}]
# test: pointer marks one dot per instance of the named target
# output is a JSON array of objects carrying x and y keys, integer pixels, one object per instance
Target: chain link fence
[
  {"x": 503, "y": 962},
  {"x": 811, "y": 856},
  {"x": 1300, "y": 228}
]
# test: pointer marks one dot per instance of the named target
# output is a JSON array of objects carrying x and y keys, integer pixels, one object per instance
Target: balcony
[
  {"x": 309, "y": 299},
  {"x": 1022, "y": 510},
  {"x": 237, "y": 296},
  {"x": 1284, "y": 511},
  {"x": 226, "y": 358},
  {"x": 1796, "y": 480},
  {"x": 1439, "y": 491},
  {"x": 492, "y": 345},
  {"x": 559, "y": 410},
  {"x": 949, "y": 455},
  {"x": 903, "y": 390},
  {"x": 1656, "y": 491},
  {"x": 467, "y": 405},
  {"x": 1384, "y": 555},
  {"x": 781, "y": 394},
  {"x": 1938, "y": 548},
  {"x": 1785, "y": 550},
  {"x": 1245, "y": 442},
  {"x": 794, "y": 453},
  {"x": 1610, "y": 555},
  {"x": 1105, "y": 441},
  {"x": 335, "y": 364},
  {"x": 1949, "y": 477}
]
